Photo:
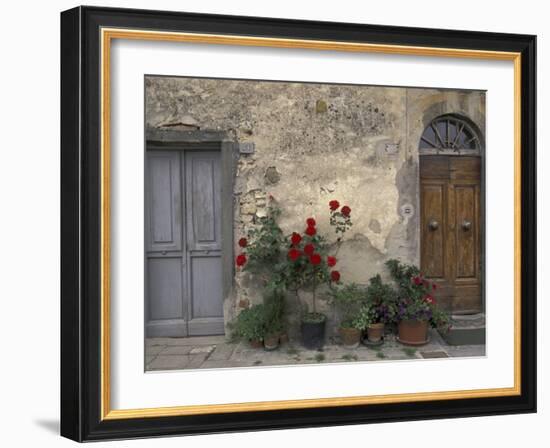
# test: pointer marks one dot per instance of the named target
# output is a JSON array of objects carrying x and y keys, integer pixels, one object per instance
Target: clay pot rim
[
  {"x": 350, "y": 329},
  {"x": 420, "y": 321}
]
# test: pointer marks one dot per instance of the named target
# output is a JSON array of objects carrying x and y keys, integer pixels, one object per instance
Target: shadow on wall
[{"x": 51, "y": 426}]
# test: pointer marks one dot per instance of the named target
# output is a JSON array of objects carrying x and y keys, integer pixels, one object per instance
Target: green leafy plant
[
  {"x": 416, "y": 299},
  {"x": 365, "y": 317},
  {"x": 264, "y": 244},
  {"x": 250, "y": 324},
  {"x": 264, "y": 319},
  {"x": 274, "y": 309},
  {"x": 380, "y": 305},
  {"x": 347, "y": 301}
]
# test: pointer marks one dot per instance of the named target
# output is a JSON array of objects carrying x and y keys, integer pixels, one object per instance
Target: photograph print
[{"x": 292, "y": 223}]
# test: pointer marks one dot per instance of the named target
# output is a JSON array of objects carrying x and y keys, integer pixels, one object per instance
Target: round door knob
[
  {"x": 466, "y": 225},
  {"x": 433, "y": 224}
]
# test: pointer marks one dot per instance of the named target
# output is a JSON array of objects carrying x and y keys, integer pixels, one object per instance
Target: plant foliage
[
  {"x": 250, "y": 324},
  {"x": 299, "y": 261},
  {"x": 347, "y": 301},
  {"x": 415, "y": 295}
]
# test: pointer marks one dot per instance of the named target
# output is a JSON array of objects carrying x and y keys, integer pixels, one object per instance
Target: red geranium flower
[
  {"x": 345, "y": 210},
  {"x": 335, "y": 276},
  {"x": 243, "y": 242},
  {"x": 310, "y": 222},
  {"x": 434, "y": 286},
  {"x": 295, "y": 238},
  {"x": 315, "y": 259},
  {"x": 311, "y": 231},
  {"x": 240, "y": 260},
  {"x": 294, "y": 254},
  {"x": 429, "y": 299},
  {"x": 309, "y": 249},
  {"x": 334, "y": 204},
  {"x": 417, "y": 280},
  {"x": 331, "y": 261}
]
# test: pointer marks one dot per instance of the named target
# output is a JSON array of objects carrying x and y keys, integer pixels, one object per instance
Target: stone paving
[{"x": 214, "y": 352}]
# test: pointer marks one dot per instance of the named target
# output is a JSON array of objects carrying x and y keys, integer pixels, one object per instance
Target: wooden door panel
[
  {"x": 164, "y": 202},
  {"x": 165, "y": 311},
  {"x": 434, "y": 167},
  {"x": 466, "y": 231},
  {"x": 165, "y": 288},
  {"x": 206, "y": 289},
  {"x": 465, "y": 168},
  {"x": 203, "y": 210},
  {"x": 433, "y": 239},
  {"x": 203, "y": 199}
]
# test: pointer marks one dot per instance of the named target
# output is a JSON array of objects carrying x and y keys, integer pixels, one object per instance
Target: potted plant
[
  {"x": 306, "y": 270},
  {"x": 250, "y": 326},
  {"x": 297, "y": 262},
  {"x": 417, "y": 308},
  {"x": 274, "y": 309},
  {"x": 380, "y": 308},
  {"x": 260, "y": 254},
  {"x": 346, "y": 301},
  {"x": 309, "y": 266}
]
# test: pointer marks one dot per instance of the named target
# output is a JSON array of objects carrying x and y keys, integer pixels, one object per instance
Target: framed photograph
[{"x": 272, "y": 223}]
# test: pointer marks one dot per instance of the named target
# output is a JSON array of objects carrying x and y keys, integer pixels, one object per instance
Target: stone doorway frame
[{"x": 185, "y": 140}]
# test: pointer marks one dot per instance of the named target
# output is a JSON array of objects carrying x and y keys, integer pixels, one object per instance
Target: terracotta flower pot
[
  {"x": 375, "y": 332},
  {"x": 413, "y": 332},
  {"x": 271, "y": 342},
  {"x": 255, "y": 343},
  {"x": 350, "y": 337}
]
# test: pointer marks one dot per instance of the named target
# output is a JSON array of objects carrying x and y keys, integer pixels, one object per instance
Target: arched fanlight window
[{"x": 449, "y": 135}]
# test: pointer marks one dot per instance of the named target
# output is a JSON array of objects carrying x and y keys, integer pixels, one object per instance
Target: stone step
[{"x": 467, "y": 329}]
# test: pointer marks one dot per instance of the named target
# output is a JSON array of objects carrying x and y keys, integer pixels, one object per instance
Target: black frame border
[{"x": 80, "y": 223}]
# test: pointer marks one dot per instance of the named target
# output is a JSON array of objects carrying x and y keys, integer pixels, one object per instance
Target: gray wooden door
[{"x": 183, "y": 244}]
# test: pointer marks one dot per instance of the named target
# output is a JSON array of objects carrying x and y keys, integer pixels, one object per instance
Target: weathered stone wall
[{"x": 314, "y": 143}]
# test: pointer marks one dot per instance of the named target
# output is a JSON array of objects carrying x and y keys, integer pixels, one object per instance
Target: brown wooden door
[{"x": 451, "y": 229}]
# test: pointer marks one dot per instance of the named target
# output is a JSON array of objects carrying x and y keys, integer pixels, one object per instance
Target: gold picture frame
[{"x": 107, "y": 32}]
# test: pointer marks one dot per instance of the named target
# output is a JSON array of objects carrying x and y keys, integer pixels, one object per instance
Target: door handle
[
  {"x": 433, "y": 225},
  {"x": 466, "y": 225}
]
